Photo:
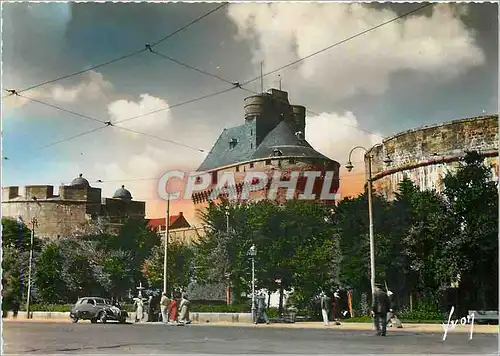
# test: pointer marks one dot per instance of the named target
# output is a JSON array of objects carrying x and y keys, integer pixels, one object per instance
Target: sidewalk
[{"x": 479, "y": 329}]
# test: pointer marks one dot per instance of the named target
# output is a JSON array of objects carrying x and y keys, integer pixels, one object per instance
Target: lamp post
[
  {"x": 34, "y": 223},
  {"x": 349, "y": 168},
  {"x": 252, "y": 253},
  {"x": 227, "y": 275},
  {"x": 165, "y": 247}
]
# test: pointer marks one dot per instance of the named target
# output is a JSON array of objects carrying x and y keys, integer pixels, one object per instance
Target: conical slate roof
[
  {"x": 123, "y": 194},
  {"x": 285, "y": 142}
]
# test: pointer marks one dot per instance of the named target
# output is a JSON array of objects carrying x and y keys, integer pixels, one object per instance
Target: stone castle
[
  {"x": 272, "y": 138},
  {"x": 67, "y": 214}
]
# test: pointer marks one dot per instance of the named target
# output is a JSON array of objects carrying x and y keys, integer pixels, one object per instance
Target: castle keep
[
  {"x": 69, "y": 212},
  {"x": 272, "y": 138}
]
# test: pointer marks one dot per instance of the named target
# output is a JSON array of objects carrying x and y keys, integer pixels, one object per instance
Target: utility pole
[
  {"x": 349, "y": 167},
  {"x": 370, "y": 218},
  {"x": 165, "y": 254},
  {"x": 34, "y": 224},
  {"x": 228, "y": 280}
]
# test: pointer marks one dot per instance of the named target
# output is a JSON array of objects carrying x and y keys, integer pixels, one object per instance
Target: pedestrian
[
  {"x": 380, "y": 308},
  {"x": 324, "y": 306},
  {"x": 335, "y": 306},
  {"x": 172, "y": 310},
  {"x": 392, "y": 319},
  {"x": 15, "y": 307},
  {"x": 164, "y": 303},
  {"x": 184, "y": 309},
  {"x": 261, "y": 309}
]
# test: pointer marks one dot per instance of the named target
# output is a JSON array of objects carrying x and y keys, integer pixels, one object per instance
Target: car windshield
[{"x": 100, "y": 301}]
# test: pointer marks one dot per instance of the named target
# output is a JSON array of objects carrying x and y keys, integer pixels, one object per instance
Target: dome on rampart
[
  {"x": 123, "y": 194},
  {"x": 80, "y": 182}
]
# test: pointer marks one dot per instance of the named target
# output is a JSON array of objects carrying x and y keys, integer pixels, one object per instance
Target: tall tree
[
  {"x": 179, "y": 263},
  {"x": 472, "y": 251},
  {"x": 48, "y": 274}
]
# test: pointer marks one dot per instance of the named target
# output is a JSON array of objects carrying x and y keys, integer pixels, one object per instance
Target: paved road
[{"x": 86, "y": 338}]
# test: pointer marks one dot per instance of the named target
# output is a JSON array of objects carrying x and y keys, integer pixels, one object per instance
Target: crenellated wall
[
  {"x": 69, "y": 212},
  {"x": 426, "y": 154},
  {"x": 285, "y": 165}
]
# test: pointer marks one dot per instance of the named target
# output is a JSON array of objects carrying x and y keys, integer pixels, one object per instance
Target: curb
[{"x": 426, "y": 328}]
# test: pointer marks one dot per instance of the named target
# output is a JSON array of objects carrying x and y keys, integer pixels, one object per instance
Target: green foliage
[
  {"x": 49, "y": 269},
  {"x": 64, "y": 270},
  {"x": 294, "y": 242},
  {"x": 425, "y": 240},
  {"x": 179, "y": 263},
  {"x": 16, "y": 243}
]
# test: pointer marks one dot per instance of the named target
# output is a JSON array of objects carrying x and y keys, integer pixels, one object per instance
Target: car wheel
[
  {"x": 102, "y": 317},
  {"x": 74, "y": 320},
  {"x": 93, "y": 320}
]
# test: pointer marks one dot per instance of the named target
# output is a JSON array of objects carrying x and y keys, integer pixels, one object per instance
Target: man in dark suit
[{"x": 380, "y": 307}]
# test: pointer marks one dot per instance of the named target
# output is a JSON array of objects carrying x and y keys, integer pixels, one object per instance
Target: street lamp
[
  {"x": 20, "y": 223},
  {"x": 165, "y": 247},
  {"x": 227, "y": 275},
  {"x": 34, "y": 223},
  {"x": 349, "y": 166},
  {"x": 252, "y": 252}
]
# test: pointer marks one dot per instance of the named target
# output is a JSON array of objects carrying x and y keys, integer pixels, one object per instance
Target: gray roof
[
  {"x": 80, "y": 182},
  {"x": 222, "y": 154},
  {"x": 281, "y": 137},
  {"x": 123, "y": 194}
]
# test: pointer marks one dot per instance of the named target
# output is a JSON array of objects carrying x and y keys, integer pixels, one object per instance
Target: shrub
[{"x": 48, "y": 307}]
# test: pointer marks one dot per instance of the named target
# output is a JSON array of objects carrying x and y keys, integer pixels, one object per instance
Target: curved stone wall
[{"x": 426, "y": 154}]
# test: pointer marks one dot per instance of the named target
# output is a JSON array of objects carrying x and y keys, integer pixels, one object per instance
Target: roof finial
[
  {"x": 123, "y": 186},
  {"x": 81, "y": 175}
]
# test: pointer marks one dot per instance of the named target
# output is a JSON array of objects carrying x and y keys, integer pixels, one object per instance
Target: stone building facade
[
  {"x": 67, "y": 213},
  {"x": 426, "y": 154},
  {"x": 271, "y": 140}
]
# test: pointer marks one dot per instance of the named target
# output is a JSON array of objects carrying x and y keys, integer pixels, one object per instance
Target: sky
[{"x": 436, "y": 65}]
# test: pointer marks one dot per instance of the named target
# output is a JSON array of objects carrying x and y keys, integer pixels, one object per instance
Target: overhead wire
[
  {"x": 235, "y": 84},
  {"x": 121, "y": 57},
  {"x": 240, "y": 86},
  {"x": 106, "y": 124},
  {"x": 339, "y": 43}
]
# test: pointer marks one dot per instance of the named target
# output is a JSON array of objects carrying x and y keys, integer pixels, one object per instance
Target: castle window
[
  {"x": 237, "y": 168},
  {"x": 268, "y": 162},
  {"x": 214, "y": 177},
  {"x": 233, "y": 142},
  {"x": 251, "y": 132},
  {"x": 251, "y": 165},
  {"x": 292, "y": 161},
  {"x": 277, "y": 153},
  {"x": 251, "y": 145}
]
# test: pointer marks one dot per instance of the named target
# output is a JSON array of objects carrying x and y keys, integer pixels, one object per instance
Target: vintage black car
[{"x": 97, "y": 309}]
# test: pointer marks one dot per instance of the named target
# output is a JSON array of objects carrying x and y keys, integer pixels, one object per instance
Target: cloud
[
  {"x": 91, "y": 87},
  {"x": 335, "y": 135},
  {"x": 123, "y": 110},
  {"x": 135, "y": 160},
  {"x": 439, "y": 45}
]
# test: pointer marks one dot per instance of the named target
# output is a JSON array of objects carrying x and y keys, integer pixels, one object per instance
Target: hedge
[{"x": 405, "y": 316}]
